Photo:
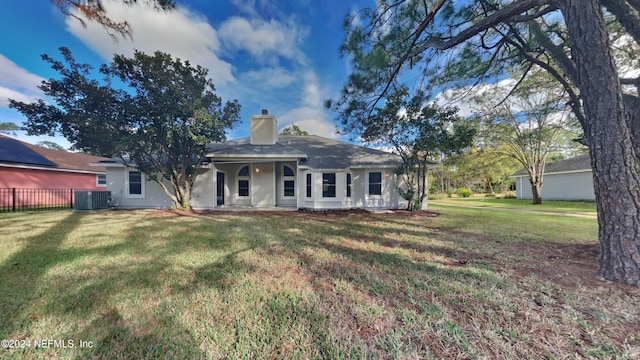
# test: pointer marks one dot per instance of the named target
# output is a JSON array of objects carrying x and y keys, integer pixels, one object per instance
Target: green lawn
[
  {"x": 572, "y": 207},
  {"x": 459, "y": 283}
]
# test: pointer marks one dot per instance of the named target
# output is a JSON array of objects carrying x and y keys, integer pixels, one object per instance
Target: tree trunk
[
  {"x": 536, "y": 190},
  {"x": 489, "y": 186},
  {"x": 608, "y": 128}
]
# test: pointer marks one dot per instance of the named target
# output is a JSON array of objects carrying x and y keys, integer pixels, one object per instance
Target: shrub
[{"x": 464, "y": 192}]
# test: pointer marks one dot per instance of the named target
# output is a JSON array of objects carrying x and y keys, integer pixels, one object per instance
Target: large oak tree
[
  {"x": 451, "y": 43},
  {"x": 156, "y": 112}
]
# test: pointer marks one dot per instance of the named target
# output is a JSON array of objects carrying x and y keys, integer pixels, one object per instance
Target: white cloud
[
  {"x": 268, "y": 37},
  {"x": 312, "y": 120},
  {"x": 264, "y": 40},
  {"x": 181, "y": 32},
  {"x": 269, "y": 78},
  {"x": 311, "y": 116},
  {"x": 17, "y": 83},
  {"x": 464, "y": 98},
  {"x": 254, "y": 8}
]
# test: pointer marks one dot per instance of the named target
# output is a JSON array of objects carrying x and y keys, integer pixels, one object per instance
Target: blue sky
[{"x": 278, "y": 55}]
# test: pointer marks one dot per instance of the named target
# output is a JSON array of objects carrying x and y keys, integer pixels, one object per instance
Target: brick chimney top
[{"x": 265, "y": 112}]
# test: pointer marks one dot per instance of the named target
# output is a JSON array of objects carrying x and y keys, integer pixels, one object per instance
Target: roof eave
[
  {"x": 257, "y": 156},
  {"x": 107, "y": 164}
]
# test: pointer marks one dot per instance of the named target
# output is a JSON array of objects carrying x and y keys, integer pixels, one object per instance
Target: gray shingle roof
[
  {"x": 242, "y": 148},
  {"x": 315, "y": 152},
  {"x": 580, "y": 162}
]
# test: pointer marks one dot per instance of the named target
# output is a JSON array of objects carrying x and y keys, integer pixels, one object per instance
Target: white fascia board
[
  {"x": 555, "y": 173},
  {"x": 99, "y": 164},
  {"x": 16, "y": 166},
  {"x": 257, "y": 157},
  {"x": 326, "y": 170},
  {"x": 569, "y": 172},
  {"x": 373, "y": 167}
]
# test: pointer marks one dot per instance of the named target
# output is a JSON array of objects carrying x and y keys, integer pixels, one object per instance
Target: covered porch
[{"x": 255, "y": 184}]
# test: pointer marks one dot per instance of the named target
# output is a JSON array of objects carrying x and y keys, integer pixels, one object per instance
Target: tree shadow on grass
[
  {"x": 98, "y": 299},
  {"x": 21, "y": 273}
]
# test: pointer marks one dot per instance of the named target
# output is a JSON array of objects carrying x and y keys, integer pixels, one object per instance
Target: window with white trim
[
  {"x": 101, "y": 180},
  {"x": 329, "y": 185},
  {"x": 375, "y": 183},
  {"x": 243, "y": 181},
  {"x": 348, "y": 185},
  {"x": 309, "y": 185},
  {"x": 289, "y": 183},
  {"x": 135, "y": 184}
]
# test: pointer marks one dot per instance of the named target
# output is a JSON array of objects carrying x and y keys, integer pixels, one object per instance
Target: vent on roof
[{"x": 92, "y": 200}]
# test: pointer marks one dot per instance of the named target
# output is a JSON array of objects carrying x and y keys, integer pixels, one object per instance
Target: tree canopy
[
  {"x": 440, "y": 44},
  {"x": 159, "y": 118},
  {"x": 419, "y": 133},
  {"x": 8, "y": 128},
  {"x": 527, "y": 126},
  {"x": 293, "y": 129},
  {"x": 50, "y": 145}
]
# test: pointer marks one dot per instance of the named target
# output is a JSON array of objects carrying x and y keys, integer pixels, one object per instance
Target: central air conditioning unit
[{"x": 92, "y": 200}]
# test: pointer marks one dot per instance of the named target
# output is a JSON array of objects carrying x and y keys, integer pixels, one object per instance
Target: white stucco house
[
  {"x": 266, "y": 170},
  {"x": 569, "y": 179}
]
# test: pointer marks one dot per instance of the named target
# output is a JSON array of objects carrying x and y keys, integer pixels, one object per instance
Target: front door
[{"x": 220, "y": 188}]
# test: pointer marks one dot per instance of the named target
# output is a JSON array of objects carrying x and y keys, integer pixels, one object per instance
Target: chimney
[{"x": 264, "y": 129}]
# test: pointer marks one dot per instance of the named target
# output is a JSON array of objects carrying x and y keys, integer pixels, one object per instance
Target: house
[
  {"x": 569, "y": 179},
  {"x": 270, "y": 171},
  {"x": 24, "y": 165}
]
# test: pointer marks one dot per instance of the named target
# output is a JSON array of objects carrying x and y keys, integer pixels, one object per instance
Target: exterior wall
[
  {"x": 153, "y": 195},
  {"x": 266, "y": 189},
  {"x": 11, "y": 177},
  {"x": 567, "y": 186},
  {"x": 263, "y": 185},
  {"x": 203, "y": 193},
  {"x": 389, "y": 199}
]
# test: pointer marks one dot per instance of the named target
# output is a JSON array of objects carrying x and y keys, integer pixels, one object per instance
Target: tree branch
[
  {"x": 488, "y": 22},
  {"x": 626, "y": 14},
  {"x": 400, "y": 63}
]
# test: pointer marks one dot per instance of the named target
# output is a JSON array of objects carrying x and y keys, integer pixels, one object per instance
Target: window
[
  {"x": 243, "y": 187},
  {"x": 289, "y": 181},
  {"x": 289, "y": 188},
  {"x": 328, "y": 185},
  {"x": 243, "y": 181},
  {"x": 101, "y": 180},
  {"x": 135, "y": 184},
  {"x": 375, "y": 183},
  {"x": 348, "y": 185},
  {"x": 288, "y": 171},
  {"x": 309, "y": 185}
]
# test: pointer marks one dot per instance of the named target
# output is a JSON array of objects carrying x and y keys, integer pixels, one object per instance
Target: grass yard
[
  {"x": 456, "y": 283},
  {"x": 571, "y": 207}
]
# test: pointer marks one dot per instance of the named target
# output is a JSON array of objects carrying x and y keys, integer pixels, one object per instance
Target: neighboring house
[
  {"x": 266, "y": 171},
  {"x": 569, "y": 179},
  {"x": 24, "y": 165}
]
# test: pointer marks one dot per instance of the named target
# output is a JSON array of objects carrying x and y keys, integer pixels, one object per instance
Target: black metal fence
[{"x": 18, "y": 199}]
